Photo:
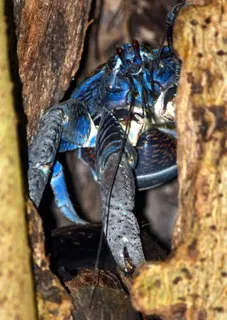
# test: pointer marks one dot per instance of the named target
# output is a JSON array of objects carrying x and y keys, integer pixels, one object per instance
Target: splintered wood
[{"x": 192, "y": 284}]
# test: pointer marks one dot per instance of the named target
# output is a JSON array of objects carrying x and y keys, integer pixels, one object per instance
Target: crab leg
[
  {"x": 157, "y": 158},
  {"x": 63, "y": 127},
  {"x": 42, "y": 152},
  {"x": 61, "y": 195},
  {"x": 118, "y": 192},
  {"x": 120, "y": 225}
]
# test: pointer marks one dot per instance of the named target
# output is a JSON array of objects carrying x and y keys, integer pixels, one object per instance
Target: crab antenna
[{"x": 170, "y": 19}]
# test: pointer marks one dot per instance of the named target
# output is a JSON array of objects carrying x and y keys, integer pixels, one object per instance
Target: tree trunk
[
  {"x": 50, "y": 42},
  {"x": 16, "y": 287},
  {"x": 192, "y": 284},
  {"x": 50, "y": 38}
]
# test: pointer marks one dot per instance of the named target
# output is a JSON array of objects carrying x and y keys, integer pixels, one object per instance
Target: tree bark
[
  {"x": 16, "y": 287},
  {"x": 50, "y": 42},
  {"x": 52, "y": 300},
  {"x": 192, "y": 283},
  {"x": 50, "y": 38}
]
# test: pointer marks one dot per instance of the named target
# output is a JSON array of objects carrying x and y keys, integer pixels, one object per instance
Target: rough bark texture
[
  {"x": 52, "y": 299},
  {"x": 16, "y": 287},
  {"x": 106, "y": 302},
  {"x": 192, "y": 284},
  {"x": 50, "y": 42},
  {"x": 50, "y": 38}
]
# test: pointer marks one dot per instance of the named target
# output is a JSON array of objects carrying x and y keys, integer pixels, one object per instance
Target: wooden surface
[
  {"x": 50, "y": 38},
  {"x": 50, "y": 41},
  {"x": 192, "y": 283},
  {"x": 53, "y": 302},
  {"x": 16, "y": 287}
]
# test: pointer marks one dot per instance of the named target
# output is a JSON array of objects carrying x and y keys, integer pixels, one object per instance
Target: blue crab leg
[
  {"x": 42, "y": 151},
  {"x": 61, "y": 195},
  {"x": 117, "y": 193},
  {"x": 63, "y": 127},
  {"x": 156, "y": 158}
]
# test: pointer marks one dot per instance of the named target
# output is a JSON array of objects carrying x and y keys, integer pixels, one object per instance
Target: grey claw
[
  {"x": 120, "y": 225},
  {"x": 126, "y": 248}
]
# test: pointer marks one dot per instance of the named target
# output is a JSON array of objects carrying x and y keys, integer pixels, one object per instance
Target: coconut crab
[{"x": 123, "y": 116}]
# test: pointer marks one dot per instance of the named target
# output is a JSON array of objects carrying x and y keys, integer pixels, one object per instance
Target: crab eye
[
  {"x": 135, "y": 45},
  {"x": 119, "y": 51}
]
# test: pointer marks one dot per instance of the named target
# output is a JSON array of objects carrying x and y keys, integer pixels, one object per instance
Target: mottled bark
[
  {"x": 52, "y": 300},
  {"x": 16, "y": 287},
  {"x": 50, "y": 41},
  {"x": 192, "y": 284}
]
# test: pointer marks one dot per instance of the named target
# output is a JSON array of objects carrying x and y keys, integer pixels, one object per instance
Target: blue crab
[{"x": 124, "y": 114}]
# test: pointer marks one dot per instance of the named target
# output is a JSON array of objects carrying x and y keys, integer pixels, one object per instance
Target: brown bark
[
  {"x": 16, "y": 287},
  {"x": 50, "y": 41},
  {"x": 192, "y": 284},
  {"x": 52, "y": 299},
  {"x": 50, "y": 38}
]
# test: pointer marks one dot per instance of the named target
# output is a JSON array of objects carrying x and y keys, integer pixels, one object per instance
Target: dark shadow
[{"x": 17, "y": 88}]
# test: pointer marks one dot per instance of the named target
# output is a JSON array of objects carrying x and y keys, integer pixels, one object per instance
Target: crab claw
[
  {"x": 124, "y": 242},
  {"x": 120, "y": 225}
]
